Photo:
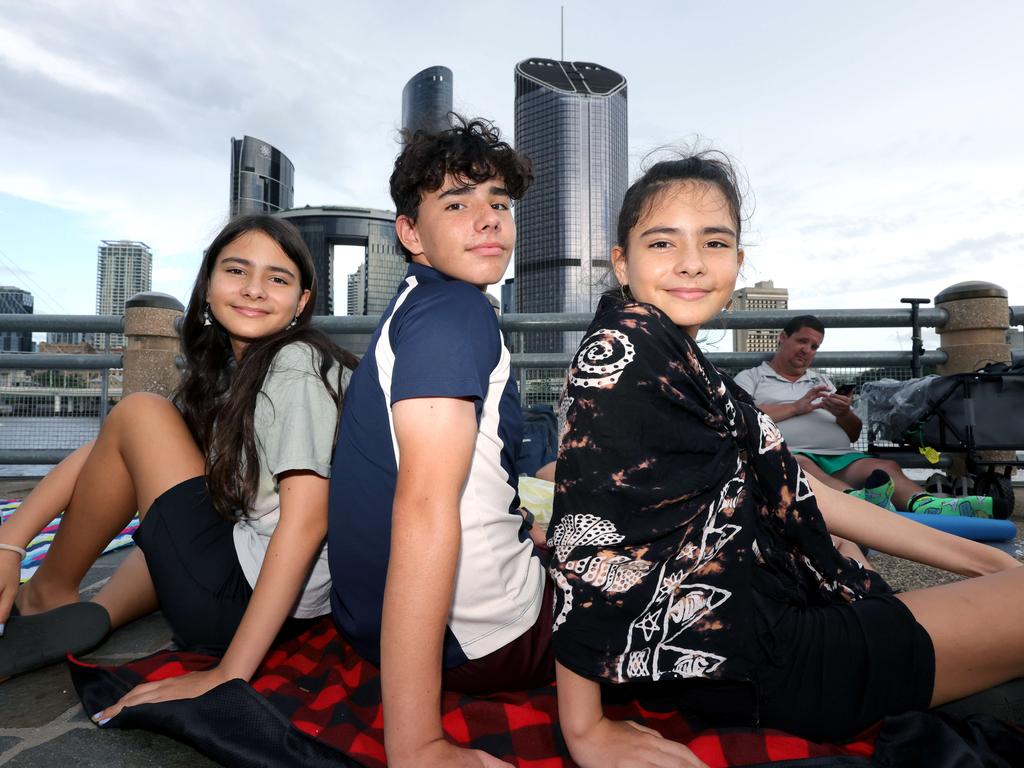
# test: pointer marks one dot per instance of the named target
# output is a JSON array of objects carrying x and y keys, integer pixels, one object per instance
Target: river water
[{"x": 42, "y": 432}]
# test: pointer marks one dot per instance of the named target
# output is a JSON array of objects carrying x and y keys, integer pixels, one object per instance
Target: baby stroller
[{"x": 964, "y": 413}]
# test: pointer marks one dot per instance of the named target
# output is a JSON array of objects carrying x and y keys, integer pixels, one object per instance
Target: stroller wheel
[
  {"x": 939, "y": 485},
  {"x": 1000, "y": 489}
]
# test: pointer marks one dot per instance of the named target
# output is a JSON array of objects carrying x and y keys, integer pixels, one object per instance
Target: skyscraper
[
  {"x": 357, "y": 291},
  {"x": 15, "y": 301},
  {"x": 123, "y": 268},
  {"x": 427, "y": 100},
  {"x": 262, "y": 178},
  {"x": 763, "y": 295},
  {"x": 508, "y": 296},
  {"x": 571, "y": 119},
  {"x": 65, "y": 337},
  {"x": 384, "y": 266}
]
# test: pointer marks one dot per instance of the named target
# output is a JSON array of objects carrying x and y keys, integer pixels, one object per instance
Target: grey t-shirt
[
  {"x": 295, "y": 423},
  {"x": 814, "y": 432}
]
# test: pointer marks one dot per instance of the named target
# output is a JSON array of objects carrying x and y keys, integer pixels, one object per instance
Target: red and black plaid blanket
[{"x": 314, "y": 702}]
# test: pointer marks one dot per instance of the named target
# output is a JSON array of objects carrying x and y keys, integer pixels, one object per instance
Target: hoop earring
[
  {"x": 622, "y": 291},
  {"x": 206, "y": 316}
]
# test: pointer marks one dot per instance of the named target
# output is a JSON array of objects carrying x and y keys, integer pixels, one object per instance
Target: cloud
[{"x": 874, "y": 177}]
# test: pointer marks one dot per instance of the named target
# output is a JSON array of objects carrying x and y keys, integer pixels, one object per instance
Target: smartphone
[{"x": 846, "y": 390}]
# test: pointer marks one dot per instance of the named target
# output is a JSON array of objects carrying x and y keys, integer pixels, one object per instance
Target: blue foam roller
[{"x": 976, "y": 528}]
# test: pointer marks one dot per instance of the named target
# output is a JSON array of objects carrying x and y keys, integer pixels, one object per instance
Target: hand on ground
[
  {"x": 10, "y": 579},
  {"x": 837, "y": 405},
  {"x": 184, "y": 687},
  {"x": 625, "y": 744},
  {"x": 443, "y": 754},
  {"x": 815, "y": 398}
]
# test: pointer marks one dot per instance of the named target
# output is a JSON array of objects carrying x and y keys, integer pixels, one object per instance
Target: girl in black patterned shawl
[{"x": 692, "y": 556}]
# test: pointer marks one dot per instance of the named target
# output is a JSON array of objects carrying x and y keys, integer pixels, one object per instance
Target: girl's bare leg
[
  {"x": 848, "y": 549},
  {"x": 48, "y": 499},
  {"x": 143, "y": 449},
  {"x": 130, "y": 593},
  {"x": 977, "y": 629}
]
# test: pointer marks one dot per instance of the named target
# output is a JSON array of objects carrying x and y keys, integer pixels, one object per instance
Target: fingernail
[
  {"x": 96, "y": 718},
  {"x": 104, "y": 721},
  {"x": 2, "y": 626}
]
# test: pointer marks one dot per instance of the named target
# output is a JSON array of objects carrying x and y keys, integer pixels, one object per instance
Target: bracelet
[{"x": 20, "y": 550}]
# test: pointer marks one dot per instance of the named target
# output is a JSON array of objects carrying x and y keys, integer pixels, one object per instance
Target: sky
[{"x": 881, "y": 141}]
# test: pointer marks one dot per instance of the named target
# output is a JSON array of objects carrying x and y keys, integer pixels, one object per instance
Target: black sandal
[{"x": 31, "y": 642}]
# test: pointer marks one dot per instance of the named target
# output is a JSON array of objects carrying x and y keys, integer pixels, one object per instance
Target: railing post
[
  {"x": 917, "y": 343},
  {"x": 104, "y": 393},
  {"x": 975, "y": 333},
  {"x": 151, "y": 343}
]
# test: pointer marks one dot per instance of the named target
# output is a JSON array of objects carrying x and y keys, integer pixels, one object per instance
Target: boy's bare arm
[{"x": 436, "y": 438}]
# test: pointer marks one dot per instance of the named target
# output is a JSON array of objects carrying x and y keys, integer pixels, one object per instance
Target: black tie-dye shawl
[{"x": 675, "y": 500}]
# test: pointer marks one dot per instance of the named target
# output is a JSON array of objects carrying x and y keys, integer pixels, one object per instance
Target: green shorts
[{"x": 832, "y": 464}]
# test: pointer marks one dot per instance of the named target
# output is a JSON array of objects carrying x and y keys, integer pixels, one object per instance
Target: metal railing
[
  {"x": 51, "y": 438},
  {"x": 549, "y": 365}
]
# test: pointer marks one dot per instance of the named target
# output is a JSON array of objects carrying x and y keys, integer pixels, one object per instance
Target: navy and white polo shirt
[{"x": 438, "y": 338}]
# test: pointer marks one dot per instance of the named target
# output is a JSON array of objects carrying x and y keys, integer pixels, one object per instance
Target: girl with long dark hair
[
  {"x": 692, "y": 563},
  {"x": 230, "y": 480}
]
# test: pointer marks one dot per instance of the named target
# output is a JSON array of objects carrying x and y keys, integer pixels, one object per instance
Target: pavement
[{"x": 42, "y": 724}]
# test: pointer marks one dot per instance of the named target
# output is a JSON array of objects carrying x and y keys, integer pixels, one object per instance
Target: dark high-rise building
[
  {"x": 262, "y": 178},
  {"x": 427, "y": 100},
  {"x": 508, "y": 296},
  {"x": 15, "y": 301},
  {"x": 66, "y": 337},
  {"x": 383, "y": 267},
  {"x": 570, "y": 118}
]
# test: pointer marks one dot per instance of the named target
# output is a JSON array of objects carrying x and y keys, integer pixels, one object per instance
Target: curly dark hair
[{"x": 471, "y": 150}]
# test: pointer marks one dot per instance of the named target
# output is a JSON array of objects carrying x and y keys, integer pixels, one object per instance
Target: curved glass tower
[
  {"x": 570, "y": 118},
  {"x": 262, "y": 178},
  {"x": 373, "y": 285},
  {"x": 427, "y": 100}
]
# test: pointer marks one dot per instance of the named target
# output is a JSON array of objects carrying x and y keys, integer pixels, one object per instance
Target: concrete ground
[{"x": 42, "y": 723}]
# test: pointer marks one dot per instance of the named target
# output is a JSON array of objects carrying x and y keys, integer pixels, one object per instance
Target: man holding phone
[{"x": 818, "y": 424}]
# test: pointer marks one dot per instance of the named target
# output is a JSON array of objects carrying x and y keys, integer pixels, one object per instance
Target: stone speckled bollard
[
  {"x": 973, "y": 336},
  {"x": 975, "y": 333},
  {"x": 151, "y": 343}
]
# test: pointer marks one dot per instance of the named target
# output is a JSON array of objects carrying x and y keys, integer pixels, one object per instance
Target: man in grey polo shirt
[{"x": 819, "y": 425}]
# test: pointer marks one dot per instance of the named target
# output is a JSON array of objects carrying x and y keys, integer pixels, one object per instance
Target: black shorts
[
  {"x": 190, "y": 553},
  {"x": 827, "y": 673}
]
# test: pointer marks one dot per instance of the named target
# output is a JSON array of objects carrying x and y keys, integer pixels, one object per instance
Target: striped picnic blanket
[{"x": 40, "y": 545}]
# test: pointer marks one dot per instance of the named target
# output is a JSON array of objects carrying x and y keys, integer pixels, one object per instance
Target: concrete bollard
[
  {"x": 975, "y": 333},
  {"x": 151, "y": 343},
  {"x": 973, "y": 336}
]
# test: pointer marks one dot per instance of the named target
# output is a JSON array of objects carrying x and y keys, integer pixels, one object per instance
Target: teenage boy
[{"x": 434, "y": 574}]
